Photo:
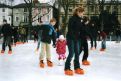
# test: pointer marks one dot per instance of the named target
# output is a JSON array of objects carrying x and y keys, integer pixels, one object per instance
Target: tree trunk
[
  {"x": 30, "y": 22},
  {"x": 65, "y": 22}
]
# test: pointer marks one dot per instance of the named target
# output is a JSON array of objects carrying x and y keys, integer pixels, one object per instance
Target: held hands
[{"x": 54, "y": 46}]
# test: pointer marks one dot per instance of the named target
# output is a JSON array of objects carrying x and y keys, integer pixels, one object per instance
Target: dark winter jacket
[
  {"x": 61, "y": 47},
  {"x": 74, "y": 28},
  {"x": 14, "y": 31},
  {"x": 48, "y": 34},
  {"x": 6, "y": 30},
  {"x": 93, "y": 30},
  {"x": 118, "y": 32}
]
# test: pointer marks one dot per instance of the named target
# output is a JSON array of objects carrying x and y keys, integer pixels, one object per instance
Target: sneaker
[
  {"x": 9, "y": 52},
  {"x": 41, "y": 64},
  {"x": 79, "y": 71},
  {"x": 69, "y": 72},
  {"x": 2, "y": 51},
  {"x": 49, "y": 63},
  {"x": 85, "y": 62}
]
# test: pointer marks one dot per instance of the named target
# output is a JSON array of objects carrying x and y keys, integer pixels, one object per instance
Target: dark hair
[
  {"x": 4, "y": 20},
  {"x": 79, "y": 9},
  {"x": 85, "y": 19}
]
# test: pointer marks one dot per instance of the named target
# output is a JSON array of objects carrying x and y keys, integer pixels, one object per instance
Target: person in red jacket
[
  {"x": 103, "y": 44},
  {"x": 61, "y": 49}
]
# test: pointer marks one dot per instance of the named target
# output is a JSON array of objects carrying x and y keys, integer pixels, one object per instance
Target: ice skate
[
  {"x": 9, "y": 52},
  {"x": 85, "y": 62},
  {"x": 42, "y": 64},
  {"x": 102, "y": 49},
  {"x": 2, "y": 51},
  {"x": 79, "y": 71},
  {"x": 69, "y": 72},
  {"x": 49, "y": 63},
  {"x": 61, "y": 62}
]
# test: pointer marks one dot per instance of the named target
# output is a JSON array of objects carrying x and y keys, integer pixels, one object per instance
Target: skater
[
  {"x": 7, "y": 36},
  {"x": 73, "y": 42},
  {"x": 84, "y": 43},
  {"x": 94, "y": 34},
  {"x": 23, "y": 34},
  {"x": 15, "y": 36},
  {"x": 103, "y": 43},
  {"x": 48, "y": 33},
  {"x": 118, "y": 34},
  {"x": 61, "y": 49}
]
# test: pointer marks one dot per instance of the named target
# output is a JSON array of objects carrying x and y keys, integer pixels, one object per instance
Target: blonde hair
[
  {"x": 52, "y": 20},
  {"x": 78, "y": 9}
]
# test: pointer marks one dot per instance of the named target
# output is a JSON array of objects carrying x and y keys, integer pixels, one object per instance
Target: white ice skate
[{"x": 61, "y": 62}]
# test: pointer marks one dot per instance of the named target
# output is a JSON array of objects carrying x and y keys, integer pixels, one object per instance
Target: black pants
[
  {"x": 16, "y": 38},
  {"x": 23, "y": 38},
  {"x": 93, "y": 42},
  {"x": 74, "y": 51},
  {"x": 7, "y": 42},
  {"x": 84, "y": 46}
]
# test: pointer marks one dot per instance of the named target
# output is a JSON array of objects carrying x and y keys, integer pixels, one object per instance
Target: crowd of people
[{"x": 80, "y": 30}]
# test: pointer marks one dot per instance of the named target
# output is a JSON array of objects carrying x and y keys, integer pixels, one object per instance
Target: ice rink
[{"x": 23, "y": 65}]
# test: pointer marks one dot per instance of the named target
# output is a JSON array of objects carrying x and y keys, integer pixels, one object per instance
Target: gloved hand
[{"x": 54, "y": 45}]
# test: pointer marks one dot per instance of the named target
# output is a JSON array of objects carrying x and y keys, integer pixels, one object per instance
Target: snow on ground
[{"x": 23, "y": 65}]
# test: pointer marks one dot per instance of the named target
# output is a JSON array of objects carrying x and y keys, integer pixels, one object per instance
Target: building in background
[
  {"x": 5, "y": 13},
  {"x": 21, "y": 13}
]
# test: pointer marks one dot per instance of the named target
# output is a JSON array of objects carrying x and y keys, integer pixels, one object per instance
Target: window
[
  {"x": 92, "y": 8},
  {"x": 107, "y": 8},
  {"x": 70, "y": 10},
  {"x": 3, "y": 10},
  {"x": 25, "y": 19},
  {"x": 25, "y": 9},
  {"x": 9, "y": 18},
  {"x": 17, "y": 19}
]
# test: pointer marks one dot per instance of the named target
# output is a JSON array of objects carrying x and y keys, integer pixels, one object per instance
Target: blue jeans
[
  {"x": 74, "y": 51},
  {"x": 104, "y": 44}
]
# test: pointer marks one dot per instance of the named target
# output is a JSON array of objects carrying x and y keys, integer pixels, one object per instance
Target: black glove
[{"x": 54, "y": 45}]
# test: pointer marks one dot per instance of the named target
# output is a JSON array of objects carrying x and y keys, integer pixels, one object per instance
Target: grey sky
[{"x": 21, "y": 1}]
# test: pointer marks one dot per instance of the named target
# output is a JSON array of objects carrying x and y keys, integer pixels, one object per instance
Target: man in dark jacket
[
  {"x": 94, "y": 34},
  {"x": 118, "y": 35},
  {"x": 48, "y": 34},
  {"x": 7, "y": 34},
  {"x": 84, "y": 42}
]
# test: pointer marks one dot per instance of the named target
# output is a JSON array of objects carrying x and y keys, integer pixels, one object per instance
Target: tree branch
[
  {"x": 26, "y": 2},
  {"x": 42, "y": 15}
]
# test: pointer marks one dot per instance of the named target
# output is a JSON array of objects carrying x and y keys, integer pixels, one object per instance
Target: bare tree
[
  {"x": 32, "y": 5},
  {"x": 65, "y": 4}
]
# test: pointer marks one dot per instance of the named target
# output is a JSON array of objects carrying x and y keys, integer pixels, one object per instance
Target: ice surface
[{"x": 23, "y": 65}]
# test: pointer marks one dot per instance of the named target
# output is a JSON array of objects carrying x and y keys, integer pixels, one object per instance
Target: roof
[
  {"x": 4, "y": 6},
  {"x": 23, "y": 5}
]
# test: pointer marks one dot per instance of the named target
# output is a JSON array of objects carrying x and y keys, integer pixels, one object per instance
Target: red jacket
[
  {"x": 61, "y": 47},
  {"x": 103, "y": 34}
]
